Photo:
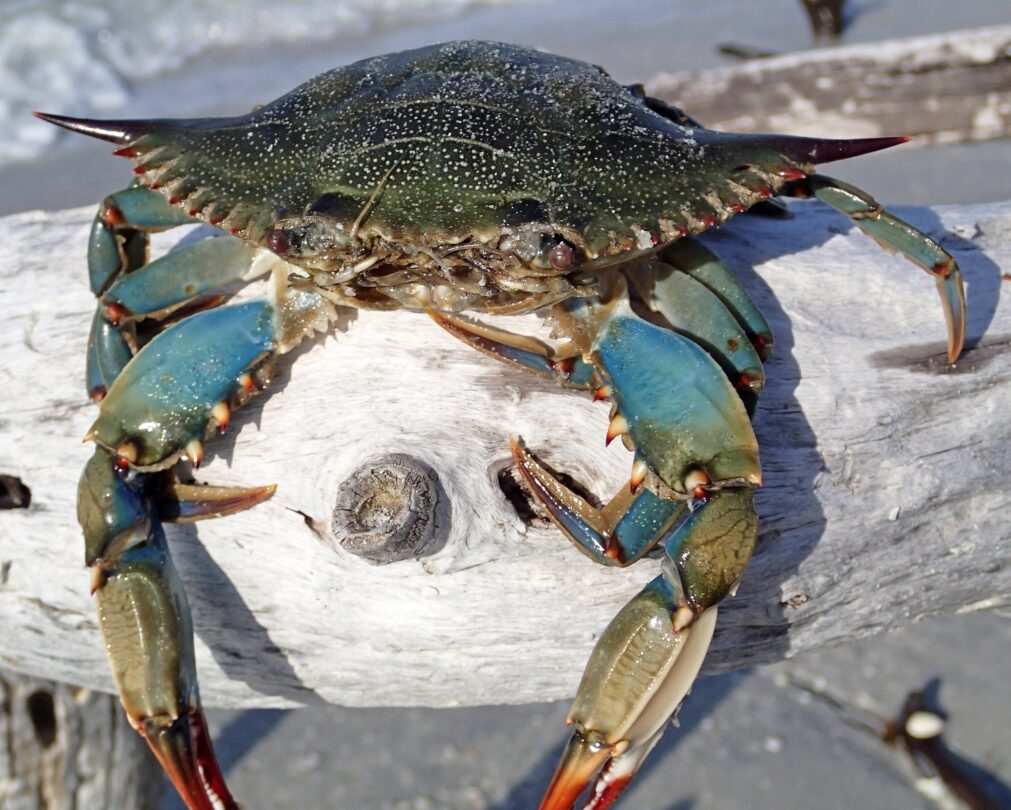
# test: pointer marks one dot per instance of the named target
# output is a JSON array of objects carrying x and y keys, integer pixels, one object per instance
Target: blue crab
[{"x": 464, "y": 177}]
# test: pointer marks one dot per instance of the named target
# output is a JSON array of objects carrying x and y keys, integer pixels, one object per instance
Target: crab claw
[
  {"x": 165, "y": 397},
  {"x": 183, "y": 748},
  {"x": 682, "y": 413},
  {"x": 145, "y": 621},
  {"x": 637, "y": 676}
]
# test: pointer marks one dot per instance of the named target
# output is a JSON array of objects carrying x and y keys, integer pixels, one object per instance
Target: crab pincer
[
  {"x": 696, "y": 454},
  {"x": 157, "y": 410}
]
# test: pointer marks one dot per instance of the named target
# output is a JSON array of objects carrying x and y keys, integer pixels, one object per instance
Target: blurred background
[{"x": 792, "y": 735}]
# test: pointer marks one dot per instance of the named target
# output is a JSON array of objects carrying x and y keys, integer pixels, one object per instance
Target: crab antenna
[{"x": 115, "y": 131}]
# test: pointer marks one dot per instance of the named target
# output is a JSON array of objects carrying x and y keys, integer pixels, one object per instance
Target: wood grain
[{"x": 885, "y": 498}]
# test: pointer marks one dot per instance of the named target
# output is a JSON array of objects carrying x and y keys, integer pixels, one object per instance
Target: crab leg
[
  {"x": 625, "y": 530},
  {"x": 517, "y": 350},
  {"x": 695, "y": 259},
  {"x": 689, "y": 307},
  {"x": 200, "y": 366},
  {"x": 694, "y": 445},
  {"x": 130, "y": 290},
  {"x": 647, "y": 659},
  {"x": 157, "y": 406},
  {"x": 146, "y": 624},
  {"x": 895, "y": 235}
]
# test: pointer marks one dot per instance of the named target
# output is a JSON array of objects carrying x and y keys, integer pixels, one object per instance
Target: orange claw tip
[
  {"x": 639, "y": 470},
  {"x": 184, "y": 750},
  {"x": 612, "y": 550},
  {"x": 683, "y": 617},
  {"x": 577, "y": 768},
  {"x": 221, "y": 413},
  {"x": 602, "y": 393},
  {"x": 564, "y": 366},
  {"x": 113, "y": 216},
  {"x": 99, "y": 576},
  {"x": 195, "y": 452},
  {"x": 611, "y": 791},
  {"x": 114, "y": 313},
  {"x": 617, "y": 427}
]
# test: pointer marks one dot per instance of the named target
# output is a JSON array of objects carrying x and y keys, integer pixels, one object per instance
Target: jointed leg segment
[
  {"x": 157, "y": 405},
  {"x": 897, "y": 236},
  {"x": 690, "y": 492}
]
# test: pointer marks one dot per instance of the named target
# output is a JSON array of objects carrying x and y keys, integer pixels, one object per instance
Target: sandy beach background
[{"x": 751, "y": 739}]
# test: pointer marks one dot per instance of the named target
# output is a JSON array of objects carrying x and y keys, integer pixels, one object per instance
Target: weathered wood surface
[
  {"x": 943, "y": 88},
  {"x": 885, "y": 497},
  {"x": 67, "y": 748}
]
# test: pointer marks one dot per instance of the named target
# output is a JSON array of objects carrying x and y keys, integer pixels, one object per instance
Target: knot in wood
[{"x": 385, "y": 511}]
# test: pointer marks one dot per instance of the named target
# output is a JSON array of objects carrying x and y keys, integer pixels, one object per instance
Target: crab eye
[
  {"x": 561, "y": 256},
  {"x": 277, "y": 242}
]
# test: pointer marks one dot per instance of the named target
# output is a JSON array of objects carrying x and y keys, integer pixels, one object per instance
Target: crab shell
[{"x": 496, "y": 175}]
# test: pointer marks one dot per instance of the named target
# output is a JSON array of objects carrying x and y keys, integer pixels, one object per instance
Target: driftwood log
[
  {"x": 886, "y": 494},
  {"x": 63, "y": 748},
  {"x": 943, "y": 88}
]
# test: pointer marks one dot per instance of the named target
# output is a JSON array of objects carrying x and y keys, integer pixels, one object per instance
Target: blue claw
[
  {"x": 681, "y": 412},
  {"x": 164, "y": 398}
]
